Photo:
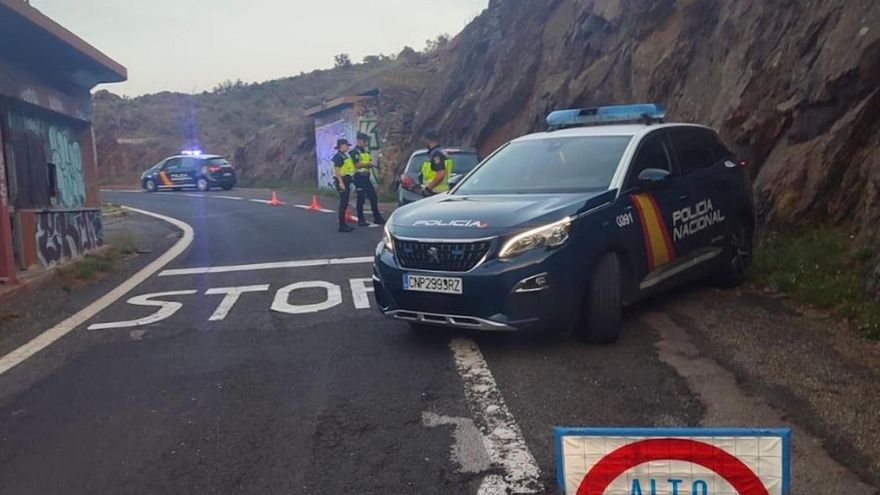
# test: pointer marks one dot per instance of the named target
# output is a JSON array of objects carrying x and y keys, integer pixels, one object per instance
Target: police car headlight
[
  {"x": 548, "y": 236},
  {"x": 387, "y": 240}
]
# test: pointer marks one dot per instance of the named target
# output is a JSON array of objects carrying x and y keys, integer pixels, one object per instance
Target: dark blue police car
[
  {"x": 190, "y": 169},
  {"x": 559, "y": 230}
]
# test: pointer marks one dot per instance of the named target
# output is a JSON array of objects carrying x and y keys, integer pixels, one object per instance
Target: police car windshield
[{"x": 549, "y": 165}]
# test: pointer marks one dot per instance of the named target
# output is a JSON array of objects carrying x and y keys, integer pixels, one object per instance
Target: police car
[
  {"x": 561, "y": 229},
  {"x": 409, "y": 188},
  {"x": 190, "y": 169}
]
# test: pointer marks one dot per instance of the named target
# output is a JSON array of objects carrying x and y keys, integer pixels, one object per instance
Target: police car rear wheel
[
  {"x": 601, "y": 320},
  {"x": 202, "y": 185},
  {"x": 737, "y": 258},
  {"x": 150, "y": 186}
]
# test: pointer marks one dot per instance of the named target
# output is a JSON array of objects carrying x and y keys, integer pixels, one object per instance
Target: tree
[
  {"x": 228, "y": 85},
  {"x": 342, "y": 60},
  {"x": 372, "y": 59},
  {"x": 437, "y": 43}
]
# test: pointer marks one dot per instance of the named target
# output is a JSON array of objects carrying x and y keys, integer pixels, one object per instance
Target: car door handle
[{"x": 684, "y": 198}]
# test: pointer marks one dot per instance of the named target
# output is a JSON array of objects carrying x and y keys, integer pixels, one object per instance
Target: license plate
[
  {"x": 439, "y": 285},
  {"x": 227, "y": 174}
]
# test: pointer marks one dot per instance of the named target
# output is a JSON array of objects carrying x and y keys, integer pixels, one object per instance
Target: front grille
[{"x": 440, "y": 256}]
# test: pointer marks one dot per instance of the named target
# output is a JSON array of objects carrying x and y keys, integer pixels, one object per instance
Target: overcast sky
[{"x": 191, "y": 45}]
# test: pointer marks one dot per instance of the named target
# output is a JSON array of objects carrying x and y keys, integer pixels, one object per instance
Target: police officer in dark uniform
[
  {"x": 363, "y": 183},
  {"x": 438, "y": 169},
  {"x": 344, "y": 168}
]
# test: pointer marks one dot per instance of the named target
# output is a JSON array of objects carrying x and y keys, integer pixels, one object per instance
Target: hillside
[
  {"x": 794, "y": 90},
  {"x": 135, "y": 133}
]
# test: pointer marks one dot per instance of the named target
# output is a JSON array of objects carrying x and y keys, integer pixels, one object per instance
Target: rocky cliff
[{"x": 792, "y": 85}]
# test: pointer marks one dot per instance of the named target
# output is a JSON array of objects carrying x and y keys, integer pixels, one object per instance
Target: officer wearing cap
[
  {"x": 437, "y": 170},
  {"x": 363, "y": 183},
  {"x": 344, "y": 168}
]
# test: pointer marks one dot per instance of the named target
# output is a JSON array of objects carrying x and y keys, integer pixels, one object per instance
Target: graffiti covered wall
[
  {"x": 63, "y": 148},
  {"x": 343, "y": 122},
  {"x": 325, "y": 142},
  {"x": 64, "y": 235}
]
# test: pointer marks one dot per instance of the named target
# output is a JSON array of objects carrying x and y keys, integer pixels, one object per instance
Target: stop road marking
[{"x": 283, "y": 302}]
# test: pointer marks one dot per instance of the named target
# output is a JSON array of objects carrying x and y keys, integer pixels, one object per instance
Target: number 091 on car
[{"x": 440, "y": 285}]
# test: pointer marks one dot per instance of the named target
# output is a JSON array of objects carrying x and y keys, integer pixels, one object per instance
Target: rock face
[{"x": 792, "y": 86}]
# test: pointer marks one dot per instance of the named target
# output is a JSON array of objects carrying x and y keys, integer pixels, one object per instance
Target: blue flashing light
[
  {"x": 191, "y": 152},
  {"x": 647, "y": 112}
]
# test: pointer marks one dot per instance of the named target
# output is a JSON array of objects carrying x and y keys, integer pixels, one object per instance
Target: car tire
[
  {"x": 227, "y": 188},
  {"x": 150, "y": 186},
  {"x": 600, "y": 323},
  {"x": 737, "y": 256},
  {"x": 202, "y": 185}
]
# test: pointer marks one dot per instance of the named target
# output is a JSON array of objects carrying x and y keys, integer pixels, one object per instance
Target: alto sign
[{"x": 642, "y": 461}]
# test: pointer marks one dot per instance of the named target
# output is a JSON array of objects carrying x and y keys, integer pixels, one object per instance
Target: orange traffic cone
[
  {"x": 349, "y": 217},
  {"x": 315, "y": 206},
  {"x": 275, "y": 201}
]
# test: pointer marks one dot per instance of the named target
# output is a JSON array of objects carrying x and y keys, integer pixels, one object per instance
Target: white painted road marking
[
  {"x": 502, "y": 437},
  {"x": 281, "y": 302},
  {"x": 282, "y": 298},
  {"x": 233, "y": 198},
  {"x": 266, "y": 266},
  {"x": 46, "y": 338},
  {"x": 231, "y": 297},
  {"x": 261, "y": 201},
  {"x": 166, "y": 310}
]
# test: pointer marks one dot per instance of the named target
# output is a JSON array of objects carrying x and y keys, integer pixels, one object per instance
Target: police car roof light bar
[{"x": 643, "y": 112}]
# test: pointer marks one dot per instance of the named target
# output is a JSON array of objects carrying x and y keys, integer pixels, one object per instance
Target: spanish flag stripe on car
[
  {"x": 658, "y": 245},
  {"x": 166, "y": 181}
]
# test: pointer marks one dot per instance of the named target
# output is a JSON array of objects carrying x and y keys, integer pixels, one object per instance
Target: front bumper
[{"x": 492, "y": 298}]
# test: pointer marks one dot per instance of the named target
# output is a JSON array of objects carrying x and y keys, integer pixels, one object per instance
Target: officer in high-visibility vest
[
  {"x": 363, "y": 183},
  {"x": 437, "y": 170},
  {"x": 344, "y": 168}
]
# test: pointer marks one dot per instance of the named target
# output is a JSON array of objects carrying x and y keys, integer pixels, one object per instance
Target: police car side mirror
[{"x": 651, "y": 177}]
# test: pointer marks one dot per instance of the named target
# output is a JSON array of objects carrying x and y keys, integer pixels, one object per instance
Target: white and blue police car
[{"x": 559, "y": 230}]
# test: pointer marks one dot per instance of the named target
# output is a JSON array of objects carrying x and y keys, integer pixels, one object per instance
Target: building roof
[
  {"x": 342, "y": 101},
  {"x": 44, "y": 46}
]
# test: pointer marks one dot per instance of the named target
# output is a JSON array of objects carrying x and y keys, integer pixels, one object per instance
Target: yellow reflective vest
[{"x": 429, "y": 174}]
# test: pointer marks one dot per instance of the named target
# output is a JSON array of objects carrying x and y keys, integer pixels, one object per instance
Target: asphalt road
[{"x": 285, "y": 392}]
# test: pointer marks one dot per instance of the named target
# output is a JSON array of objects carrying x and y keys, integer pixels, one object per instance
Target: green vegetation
[
  {"x": 94, "y": 265},
  {"x": 818, "y": 268}
]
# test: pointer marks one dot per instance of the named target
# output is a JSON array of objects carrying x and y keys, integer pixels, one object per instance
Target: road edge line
[{"x": 51, "y": 335}]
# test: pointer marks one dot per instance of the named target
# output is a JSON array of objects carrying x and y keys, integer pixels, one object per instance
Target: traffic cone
[
  {"x": 275, "y": 201},
  {"x": 315, "y": 206},
  {"x": 349, "y": 217}
]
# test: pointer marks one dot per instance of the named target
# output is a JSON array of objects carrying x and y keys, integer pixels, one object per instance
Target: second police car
[
  {"x": 190, "y": 169},
  {"x": 559, "y": 230}
]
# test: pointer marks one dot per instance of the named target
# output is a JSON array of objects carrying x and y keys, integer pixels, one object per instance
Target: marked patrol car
[
  {"x": 559, "y": 230},
  {"x": 190, "y": 169}
]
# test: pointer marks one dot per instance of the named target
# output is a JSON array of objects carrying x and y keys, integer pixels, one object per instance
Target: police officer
[
  {"x": 344, "y": 168},
  {"x": 363, "y": 183},
  {"x": 437, "y": 170}
]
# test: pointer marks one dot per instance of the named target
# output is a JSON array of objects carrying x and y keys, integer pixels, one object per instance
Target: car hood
[{"x": 462, "y": 216}]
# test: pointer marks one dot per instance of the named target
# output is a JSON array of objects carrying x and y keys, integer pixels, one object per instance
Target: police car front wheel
[
  {"x": 150, "y": 186},
  {"x": 600, "y": 323}
]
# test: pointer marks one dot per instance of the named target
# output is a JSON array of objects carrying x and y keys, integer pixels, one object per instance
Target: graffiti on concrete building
[
  {"x": 325, "y": 140},
  {"x": 65, "y": 235},
  {"x": 66, "y": 154}
]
